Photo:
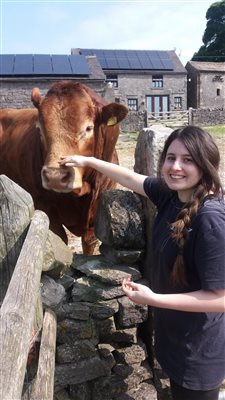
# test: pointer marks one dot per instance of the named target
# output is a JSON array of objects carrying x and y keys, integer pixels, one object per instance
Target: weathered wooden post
[
  {"x": 16, "y": 210},
  {"x": 43, "y": 386},
  {"x": 18, "y": 309}
]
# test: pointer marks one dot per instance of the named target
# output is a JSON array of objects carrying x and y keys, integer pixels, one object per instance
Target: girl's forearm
[
  {"x": 199, "y": 301},
  {"x": 122, "y": 175}
]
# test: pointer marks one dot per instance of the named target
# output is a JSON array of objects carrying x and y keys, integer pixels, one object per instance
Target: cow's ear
[
  {"x": 36, "y": 97},
  {"x": 113, "y": 113}
]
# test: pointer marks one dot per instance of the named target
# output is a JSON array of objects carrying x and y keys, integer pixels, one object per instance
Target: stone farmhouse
[
  {"x": 206, "y": 84},
  {"x": 144, "y": 79},
  {"x": 155, "y": 81}
]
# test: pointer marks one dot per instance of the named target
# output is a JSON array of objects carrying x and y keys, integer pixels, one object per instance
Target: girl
[{"x": 188, "y": 282}]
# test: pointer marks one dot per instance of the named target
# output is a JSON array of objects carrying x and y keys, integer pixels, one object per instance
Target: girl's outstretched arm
[
  {"x": 198, "y": 301},
  {"x": 124, "y": 176}
]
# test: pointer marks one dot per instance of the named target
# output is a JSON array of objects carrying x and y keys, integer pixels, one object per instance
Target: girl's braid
[{"x": 180, "y": 232}]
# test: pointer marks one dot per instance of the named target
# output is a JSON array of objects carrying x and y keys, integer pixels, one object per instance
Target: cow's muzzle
[{"x": 63, "y": 180}]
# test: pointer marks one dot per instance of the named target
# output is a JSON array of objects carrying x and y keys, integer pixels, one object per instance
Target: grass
[
  {"x": 129, "y": 136},
  {"x": 216, "y": 131}
]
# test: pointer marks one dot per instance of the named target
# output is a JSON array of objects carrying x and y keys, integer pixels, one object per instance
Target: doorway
[{"x": 157, "y": 105}]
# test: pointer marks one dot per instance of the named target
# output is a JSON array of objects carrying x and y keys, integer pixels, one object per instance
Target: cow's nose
[{"x": 55, "y": 178}]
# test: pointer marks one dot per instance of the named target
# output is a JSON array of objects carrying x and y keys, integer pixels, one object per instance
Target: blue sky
[{"x": 54, "y": 27}]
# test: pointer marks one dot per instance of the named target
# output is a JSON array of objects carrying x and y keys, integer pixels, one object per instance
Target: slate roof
[{"x": 204, "y": 66}]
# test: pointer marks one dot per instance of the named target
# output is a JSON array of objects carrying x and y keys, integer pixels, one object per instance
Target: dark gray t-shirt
[{"x": 189, "y": 346}]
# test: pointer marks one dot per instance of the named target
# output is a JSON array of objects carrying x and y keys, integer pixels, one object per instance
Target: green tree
[{"x": 213, "y": 48}]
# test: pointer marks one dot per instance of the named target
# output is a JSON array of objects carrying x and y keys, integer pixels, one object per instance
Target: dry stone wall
[
  {"x": 99, "y": 352},
  {"x": 136, "y": 121},
  {"x": 207, "y": 117}
]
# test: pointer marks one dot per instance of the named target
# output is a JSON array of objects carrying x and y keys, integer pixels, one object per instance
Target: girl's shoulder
[
  {"x": 213, "y": 205},
  {"x": 211, "y": 215},
  {"x": 156, "y": 190}
]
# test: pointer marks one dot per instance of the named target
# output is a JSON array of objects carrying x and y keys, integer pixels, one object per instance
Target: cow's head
[{"x": 70, "y": 118}]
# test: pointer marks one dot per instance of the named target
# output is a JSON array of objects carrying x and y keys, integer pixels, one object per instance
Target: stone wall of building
[
  {"x": 17, "y": 93},
  {"x": 139, "y": 86},
  {"x": 211, "y": 90}
]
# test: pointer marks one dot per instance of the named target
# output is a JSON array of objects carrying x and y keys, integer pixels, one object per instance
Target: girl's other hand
[{"x": 139, "y": 294}]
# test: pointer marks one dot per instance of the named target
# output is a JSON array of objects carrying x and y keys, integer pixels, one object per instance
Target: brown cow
[{"x": 70, "y": 119}]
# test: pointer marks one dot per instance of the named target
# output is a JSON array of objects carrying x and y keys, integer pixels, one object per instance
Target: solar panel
[
  {"x": 145, "y": 62},
  {"x": 157, "y": 63},
  {"x": 6, "y": 64},
  {"x": 42, "y": 64},
  {"x": 131, "y": 53},
  {"x": 132, "y": 59},
  {"x": 112, "y": 62},
  {"x": 61, "y": 65},
  {"x": 79, "y": 65},
  {"x": 120, "y": 53},
  {"x": 165, "y": 59},
  {"x": 123, "y": 63},
  {"x": 162, "y": 54},
  {"x": 23, "y": 64},
  {"x": 103, "y": 62},
  {"x": 109, "y": 53},
  {"x": 134, "y": 63},
  {"x": 152, "y": 53},
  {"x": 167, "y": 63}
]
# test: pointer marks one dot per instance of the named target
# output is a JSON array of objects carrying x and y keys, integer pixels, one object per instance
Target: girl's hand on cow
[
  {"x": 74, "y": 161},
  {"x": 139, "y": 294}
]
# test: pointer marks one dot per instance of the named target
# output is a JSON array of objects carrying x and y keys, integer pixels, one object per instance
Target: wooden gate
[{"x": 169, "y": 118}]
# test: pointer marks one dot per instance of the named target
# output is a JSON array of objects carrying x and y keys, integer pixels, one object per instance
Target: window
[
  {"x": 132, "y": 104},
  {"x": 218, "y": 92},
  {"x": 177, "y": 103},
  {"x": 157, "y": 81},
  {"x": 113, "y": 79}
]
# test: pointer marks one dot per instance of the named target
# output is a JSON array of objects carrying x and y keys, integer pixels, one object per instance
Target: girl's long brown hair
[{"x": 206, "y": 156}]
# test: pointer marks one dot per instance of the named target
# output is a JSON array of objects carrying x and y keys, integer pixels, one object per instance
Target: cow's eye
[{"x": 89, "y": 128}]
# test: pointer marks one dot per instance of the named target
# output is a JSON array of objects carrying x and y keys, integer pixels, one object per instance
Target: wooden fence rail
[{"x": 17, "y": 316}]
